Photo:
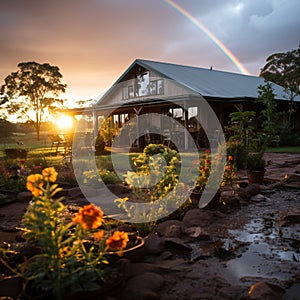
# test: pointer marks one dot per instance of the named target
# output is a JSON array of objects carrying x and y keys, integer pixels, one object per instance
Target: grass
[{"x": 287, "y": 149}]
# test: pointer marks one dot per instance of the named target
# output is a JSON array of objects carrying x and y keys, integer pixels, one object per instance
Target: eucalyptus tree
[
  {"x": 33, "y": 87},
  {"x": 284, "y": 69}
]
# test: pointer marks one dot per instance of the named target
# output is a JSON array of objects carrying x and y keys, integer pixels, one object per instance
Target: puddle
[{"x": 269, "y": 252}]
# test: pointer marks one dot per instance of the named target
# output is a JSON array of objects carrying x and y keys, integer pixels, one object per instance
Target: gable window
[
  {"x": 125, "y": 92},
  {"x": 130, "y": 91},
  {"x": 143, "y": 88},
  {"x": 160, "y": 86}
]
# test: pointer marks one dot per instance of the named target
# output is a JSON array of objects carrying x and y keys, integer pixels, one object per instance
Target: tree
[
  {"x": 269, "y": 113},
  {"x": 284, "y": 69},
  {"x": 34, "y": 87}
]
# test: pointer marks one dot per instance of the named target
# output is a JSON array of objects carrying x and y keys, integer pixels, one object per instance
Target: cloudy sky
[{"x": 94, "y": 41}]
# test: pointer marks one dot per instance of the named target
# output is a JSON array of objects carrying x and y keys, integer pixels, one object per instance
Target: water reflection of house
[{"x": 154, "y": 89}]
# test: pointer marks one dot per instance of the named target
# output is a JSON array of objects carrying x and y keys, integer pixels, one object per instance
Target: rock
[
  {"x": 265, "y": 291},
  {"x": 89, "y": 191},
  {"x": 198, "y": 217},
  {"x": 253, "y": 189},
  {"x": 75, "y": 192},
  {"x": 258, "y": 198},
  {"x": 143, "y": 287},
  {"x": 139, "y": 268},
  {"x": 177, "y": 244},
  {"x": 25, "y": 197},
  {"x": 292, "y": 177},
  {"x": 244, "y": 194},
  {"x": 154, "y": 244},
  {"x": 228, "y": 198},
  {"x": 118, "y": 189},
  {"x": 170, "y": 228},
  {"x": 197, "y": 232},
  {"x": 289, "y": 217},
  {"x": 166, "y": 255}
]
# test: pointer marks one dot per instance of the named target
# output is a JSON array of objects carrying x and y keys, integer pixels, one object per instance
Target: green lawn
[{"x": 291, "y": 149}]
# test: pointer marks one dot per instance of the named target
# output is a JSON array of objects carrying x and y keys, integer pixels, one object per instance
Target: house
[{"x": 150, "y": 92}]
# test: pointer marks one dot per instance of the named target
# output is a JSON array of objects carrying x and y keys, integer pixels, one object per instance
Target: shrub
[
  {"x": 99, "y": 144},
  {"x": 15, "y": 153}
]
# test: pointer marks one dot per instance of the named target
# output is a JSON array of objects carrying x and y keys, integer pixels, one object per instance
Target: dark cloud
[{"x": 94, "y": 41}]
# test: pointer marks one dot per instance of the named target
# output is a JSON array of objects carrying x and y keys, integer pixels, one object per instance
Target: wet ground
[
  {"x": 259, "y": 241},
  {"x": 248, "y": 245}
]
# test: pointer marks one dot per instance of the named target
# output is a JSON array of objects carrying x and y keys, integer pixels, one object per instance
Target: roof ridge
[{"x": 193, "y": 67}]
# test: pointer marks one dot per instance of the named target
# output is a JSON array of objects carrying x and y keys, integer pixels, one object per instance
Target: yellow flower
[
  {"x": 50, "y": 174},
  {"x": 34, "y": 183},
  {"x": 89, "y": 216},
  {"x": 117, "y": 241}
]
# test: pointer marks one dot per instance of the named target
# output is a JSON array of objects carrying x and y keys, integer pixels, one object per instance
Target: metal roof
[
  {"x": 213, "y": 83},
  {"x": 207, "y": 82}
]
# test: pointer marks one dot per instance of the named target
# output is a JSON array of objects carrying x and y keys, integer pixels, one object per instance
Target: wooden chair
[{"x": 58, "y": 140}]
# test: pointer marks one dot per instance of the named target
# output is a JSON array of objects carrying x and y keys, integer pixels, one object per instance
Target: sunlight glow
[{"x": 64, "y": 122}]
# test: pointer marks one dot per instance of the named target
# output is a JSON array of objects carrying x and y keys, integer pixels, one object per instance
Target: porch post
[
  {"x": 137, "y": 111},
  {"x": 186, "y": 124},
  {"x": 95, "y": 122}
]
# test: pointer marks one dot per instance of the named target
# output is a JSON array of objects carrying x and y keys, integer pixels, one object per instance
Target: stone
[
  {"x": 139, "y": 268},
  {"x": 118, "y": 189},
  {"x": 230, "y": 200},
  {"x": 197, "y": 232},
  {"x": 143, "y": 286},
  {"x": 258, "y": 198},
  {"x": 177, "y": 244},
  {"x": 265, "y": 291},
  {"x": 244, "y": 194},
  {"x": 292, "y": 178},
  {"x": 198, "y": 217},
  {"x": 89, "y": 191},
  {"x": 170, "y": 228},
  {"x": 25, "y": 197},
  {"x": 253, "y": 189},
  {"x": 288, "y": 217},
  {"x": 75, "y": 192},
  {"x": 153, "y": 244}
]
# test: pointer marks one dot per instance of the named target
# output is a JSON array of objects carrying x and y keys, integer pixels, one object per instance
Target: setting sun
[{"x": 64, "y": 122}]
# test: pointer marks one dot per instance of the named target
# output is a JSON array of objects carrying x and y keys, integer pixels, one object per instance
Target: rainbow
[{"x": 222, "y": 47}]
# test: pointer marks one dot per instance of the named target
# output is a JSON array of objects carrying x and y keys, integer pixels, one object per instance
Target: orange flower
[
  {"x": 89, "y": 216},
  {"x": 227, "y": 168},
  {"x": 34, "y": 183},
  {"x": 49, "y": 174},
  {"x": 99, "y": 235},
  {"x": 230, "y": 157},
  {"x": 117, "y": 241}
]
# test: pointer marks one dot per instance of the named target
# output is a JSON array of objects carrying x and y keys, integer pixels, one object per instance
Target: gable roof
[{"x": 209, "y": 83}]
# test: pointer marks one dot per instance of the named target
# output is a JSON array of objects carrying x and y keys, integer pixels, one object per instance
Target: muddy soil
[
  {"x": 259, "y": 241},
  {"x": 252, "y": 245}
]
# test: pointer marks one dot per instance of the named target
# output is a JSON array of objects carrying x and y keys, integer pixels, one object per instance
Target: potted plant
[
  {"x": 255, "y": 162},
  {"x": 256, "y": 167}
]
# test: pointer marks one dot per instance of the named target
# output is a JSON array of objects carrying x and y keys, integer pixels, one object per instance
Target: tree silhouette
[
  {"x": 34, "y": 87},
  {"x": 284, "y": 69}
]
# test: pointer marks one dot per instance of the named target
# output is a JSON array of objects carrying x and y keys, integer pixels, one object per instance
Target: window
[
  {"x": 143, "y": 87},
  {"x": 152, "y": 87},
  {"x": 125, "y": 92},
  {"x": 160, "y": 86},
  {"x": 130, "y": 91}
]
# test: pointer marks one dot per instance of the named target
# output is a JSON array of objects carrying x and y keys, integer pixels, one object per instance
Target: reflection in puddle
[{"x": 266, "y": 250}]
